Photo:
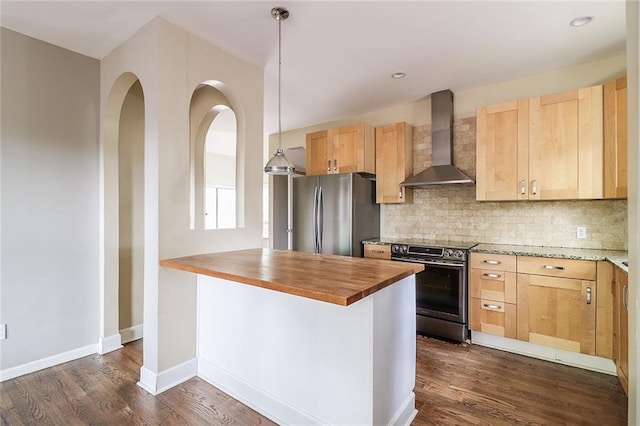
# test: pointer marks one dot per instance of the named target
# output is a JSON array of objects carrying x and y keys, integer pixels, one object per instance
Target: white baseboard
[
  {"x": 262, "y": 402},
  {"x": 32, "y": 367},
  {"x": 109, "y": 344},
  {"x": 405, "y": 415},
  {"x": 132, "y": 333},
  {"x": 157, "y": 383},
  {"x": 588, "y": 362}
]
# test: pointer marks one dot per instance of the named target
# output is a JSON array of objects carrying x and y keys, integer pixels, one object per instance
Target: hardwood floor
[
  {"x": 455, "y": 385},
  {"x": 474, "y": 385}
]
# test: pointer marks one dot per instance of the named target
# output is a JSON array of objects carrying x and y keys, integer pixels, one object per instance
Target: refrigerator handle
[
  {"x": 314, "y": 219},
  {"x": 320, "y": 217}
]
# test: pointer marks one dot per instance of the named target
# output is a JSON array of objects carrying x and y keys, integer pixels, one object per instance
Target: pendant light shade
[{"x": 279, "y": 165}]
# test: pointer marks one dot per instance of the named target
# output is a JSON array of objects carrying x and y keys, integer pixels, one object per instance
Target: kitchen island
[{"x": 305, "y": 338}]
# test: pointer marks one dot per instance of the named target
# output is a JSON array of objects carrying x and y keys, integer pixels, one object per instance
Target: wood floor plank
[{"x": 455, "y": 385}]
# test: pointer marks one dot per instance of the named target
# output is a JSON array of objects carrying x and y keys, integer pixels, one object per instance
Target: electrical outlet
[
  {"x": 581, "y": 232},
  {"x": 3, "y": 331}
]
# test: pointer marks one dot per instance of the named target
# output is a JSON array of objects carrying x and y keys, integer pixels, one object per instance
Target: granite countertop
[
  {"x": 340, "y": 280},
  {"x": 614, "y": 256}
]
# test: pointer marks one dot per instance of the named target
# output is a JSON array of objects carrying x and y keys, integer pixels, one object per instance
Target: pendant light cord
[{"x": 280, "y": 82}]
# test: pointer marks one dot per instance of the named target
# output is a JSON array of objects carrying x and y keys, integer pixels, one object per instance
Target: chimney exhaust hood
[{"x": 442, "y": 170}]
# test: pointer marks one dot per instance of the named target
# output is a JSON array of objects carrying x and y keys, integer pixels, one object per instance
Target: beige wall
[
  {"x": 451, "y": 211},
  {"x": 49, "y": 261},
  {"x": 170, "y": 64},
  {"x": 131, "y": 209},
  {"x": 466, "y": 101}
]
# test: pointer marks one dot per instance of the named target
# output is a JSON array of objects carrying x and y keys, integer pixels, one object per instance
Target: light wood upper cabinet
[
  {"x": 394, "y": 162},
  {"x": 318, "y": 151},
  {"x": 555, "y": 311},
  {"x": 615, "y": 139},
  {"x": 347, "y": 149},
  {"x": 544, "y": 148},
  {"x": 566, "y": 145},
  {"x": 502, "y": 151}
]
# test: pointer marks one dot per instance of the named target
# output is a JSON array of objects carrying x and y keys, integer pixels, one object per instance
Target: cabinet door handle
[
  {"x": 560, "y": 268},
  {"x": 329, "y": 165},
  {"x": 588, "y": 295},
  {"x": 400, "y": 193},
  {"x": 492, "y": 275},
  {"x": 625, "y": 296},
  {"x": 495, "y": 307},
  {"x": 534, "y": 187},
  {"x": 523, "y": 187},
  {"x": 492, "y": 262},
  {"x": 335, "y": 164}
]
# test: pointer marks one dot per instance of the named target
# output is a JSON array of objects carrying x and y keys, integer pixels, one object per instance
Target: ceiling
[{"x": 337, "y": 57}]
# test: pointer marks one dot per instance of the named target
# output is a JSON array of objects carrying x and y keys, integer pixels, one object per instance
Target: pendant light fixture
[{"x": 279, "y": 165}]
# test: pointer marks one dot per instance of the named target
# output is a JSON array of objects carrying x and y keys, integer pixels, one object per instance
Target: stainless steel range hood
[{"x": 442, "y": 170}]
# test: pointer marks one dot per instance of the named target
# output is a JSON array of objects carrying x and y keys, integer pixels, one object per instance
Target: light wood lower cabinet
[
  {"x": 545, "y": 301},
  {"x": 377, "y": 251},
  {"x": 557, "y": 312},
  {"x": 557, "y": 305},
  {"x": 492, "y": 294},
  {"x": 621, "y": 341}
]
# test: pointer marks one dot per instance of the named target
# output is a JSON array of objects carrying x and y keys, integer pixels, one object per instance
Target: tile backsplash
[{"x": 451, "y": 211}]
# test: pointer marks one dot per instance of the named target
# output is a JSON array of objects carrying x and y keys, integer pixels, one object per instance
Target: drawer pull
[
  {"x": 492, "y": 275},
  {"x": 588, "y": 295},
  {"x": 560, "y": 268},
  {"x": 492, "y": 262},
  {"x": 488, "y": 306},
  {"x": 329, "y": 165}
]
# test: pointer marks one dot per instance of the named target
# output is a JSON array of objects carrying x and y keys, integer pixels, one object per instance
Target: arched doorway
[{"x": 122, "y": 199}]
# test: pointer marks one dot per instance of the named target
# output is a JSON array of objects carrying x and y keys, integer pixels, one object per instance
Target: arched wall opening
[
  {"x": 123, "y": 213},
  {"x": 216, "y": 159}
]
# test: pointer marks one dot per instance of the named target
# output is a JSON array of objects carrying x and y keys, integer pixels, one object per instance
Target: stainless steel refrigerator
[{"x": 325, "y": 214}]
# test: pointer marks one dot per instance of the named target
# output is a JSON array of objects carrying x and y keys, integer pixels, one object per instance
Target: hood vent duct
[{"x": 442, "y": 170}]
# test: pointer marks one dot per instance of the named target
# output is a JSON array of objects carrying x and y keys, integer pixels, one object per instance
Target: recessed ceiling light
[
  {"x": 581, "y": 21},
  {"x": 397, "y": 75}
]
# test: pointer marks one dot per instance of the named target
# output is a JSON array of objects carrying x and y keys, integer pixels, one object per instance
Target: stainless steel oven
[{"x": 441, "y": 289}]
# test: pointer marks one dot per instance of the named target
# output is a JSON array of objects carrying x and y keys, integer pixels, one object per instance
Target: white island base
[{"x": 300, "y": 361}]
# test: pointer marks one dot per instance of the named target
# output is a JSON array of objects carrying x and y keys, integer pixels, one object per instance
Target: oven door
[{"x": 441, "y": 290}]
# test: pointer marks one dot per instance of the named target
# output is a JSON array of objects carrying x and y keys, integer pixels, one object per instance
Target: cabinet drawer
[
  {"x": 495, "y": 262},
  {"x": 499, "y": 286},
  {"x": 497, "y": 318},
  {"x": 565, "y": 268},
  {"x": 377, "y": 251}
]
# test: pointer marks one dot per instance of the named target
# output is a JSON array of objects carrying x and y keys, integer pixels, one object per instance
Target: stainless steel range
[{"x": 441, "y": 289}]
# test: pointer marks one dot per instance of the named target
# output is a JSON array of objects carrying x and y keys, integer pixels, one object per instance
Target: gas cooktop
[{"x": 444, "y": 243}]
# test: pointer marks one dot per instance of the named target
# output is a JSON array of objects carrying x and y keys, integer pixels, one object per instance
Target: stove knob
[
  {"x": 395, "y": 249},
  {"x": 403, "y": 249},
  {"x": 448, "y": 253},
  {"x": 459, "y": 254}
]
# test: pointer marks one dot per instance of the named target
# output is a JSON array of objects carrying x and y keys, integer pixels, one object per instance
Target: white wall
[
  {"x": 49, "y": 262},
  {"x": 633, "y": 77}
]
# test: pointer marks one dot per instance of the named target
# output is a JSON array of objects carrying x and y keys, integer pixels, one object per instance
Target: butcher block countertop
[{"x": 334, "y": 279}]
